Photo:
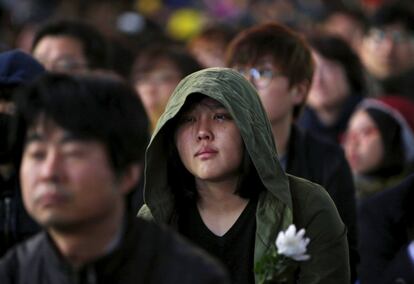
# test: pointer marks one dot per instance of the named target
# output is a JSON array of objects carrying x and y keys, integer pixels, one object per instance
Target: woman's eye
[
  {"x": 186, "y": 119},
  {"x": 37, "y": 154},
  {"x": 35, "y": 151},
  {"x": 222, "y": 116}
]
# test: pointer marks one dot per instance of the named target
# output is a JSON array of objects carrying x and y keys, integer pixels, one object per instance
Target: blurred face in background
[
  {"x": 155, "y": 87},
  {"x": 209, "y": 54},
  {"x": 388, "y": 51},
  {"x": 346, "y": 27},
  {"x": 329, "y": 88},
  {"x": 363, "y": 145},
  {"x": 61, "y": 54}
]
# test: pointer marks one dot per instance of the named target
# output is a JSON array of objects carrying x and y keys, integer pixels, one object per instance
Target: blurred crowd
[{"x": 343, "y": 118}]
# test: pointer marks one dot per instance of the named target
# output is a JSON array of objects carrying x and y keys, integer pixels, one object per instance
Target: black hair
[
  {"x": 287, "y": 48},
  {"x": 336, "y": 49},
  {"x": 148, "y": 57},
  {"x": 182, "y": 182},
  {"x": 92, "y": 108},
  {"x": 95, "y": 46},
  {"x": 5, "y": 122},
  {"x": 355, "y": 12},
  {"x": 392, "y": 162},
  {"x": 393, "y": 13}
]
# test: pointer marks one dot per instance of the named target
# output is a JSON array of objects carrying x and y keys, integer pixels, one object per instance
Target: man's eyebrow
[{"x": 68, "y": 137}]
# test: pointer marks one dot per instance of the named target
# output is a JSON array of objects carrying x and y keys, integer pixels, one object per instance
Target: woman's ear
[{"x": 130, "y": 177}]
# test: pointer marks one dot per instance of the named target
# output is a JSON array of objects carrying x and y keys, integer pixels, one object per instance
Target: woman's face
[
  {"x": 209, "y": 142},
  {"x": 363, "y": 145},
  {"x": 329, "y": 87}
]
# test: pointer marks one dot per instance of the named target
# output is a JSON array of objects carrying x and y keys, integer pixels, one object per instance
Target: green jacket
[{"x": 287, "y": 199}]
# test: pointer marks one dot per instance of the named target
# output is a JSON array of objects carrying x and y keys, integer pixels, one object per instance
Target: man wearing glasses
[
  {"x": 388, "y": 47},
  {"x": 278, "y": 62},
  {"x": 70, "y": 47}
]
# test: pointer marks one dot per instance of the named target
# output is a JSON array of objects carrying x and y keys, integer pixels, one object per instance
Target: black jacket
[
  {"x": 147, "y": 254},
  {"x": 310, "y": 121},
  {"x": 386, "y": 227},
  {"x": 323, "y": 162},
  {"x": 15, "y": 224}
]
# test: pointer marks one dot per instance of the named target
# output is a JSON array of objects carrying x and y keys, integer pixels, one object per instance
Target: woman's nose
[{"x": 204, "y": 131}]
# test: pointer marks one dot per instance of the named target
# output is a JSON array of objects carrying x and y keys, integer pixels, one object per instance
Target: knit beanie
[{"x": 17, "y": 68}]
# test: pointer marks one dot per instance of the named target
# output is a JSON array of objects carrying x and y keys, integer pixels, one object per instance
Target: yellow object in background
[{"x": 184, "y": 24}]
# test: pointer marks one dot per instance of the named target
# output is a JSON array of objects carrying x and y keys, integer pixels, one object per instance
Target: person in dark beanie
[
  {"x": 16, "y": 69},
  {"x": 379, "y": 144}
]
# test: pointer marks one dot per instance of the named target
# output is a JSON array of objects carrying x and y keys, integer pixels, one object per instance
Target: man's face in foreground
[{"x": 67, "y": 182}]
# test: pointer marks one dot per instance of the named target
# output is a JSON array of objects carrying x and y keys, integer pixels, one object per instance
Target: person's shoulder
[
  {"x": 391, "y": 199},
  {"x": 182, "y": 261},
  {"x": 314, "y": 211},
  {"x": 167, "y": 239},
  {"x": 319, "y": 145},
  {"x": 29, "y": 248},
  {"x": 303, "y": 190},
  {"x": 21, "y": 257},
  {"x": 311, "y": 200}
]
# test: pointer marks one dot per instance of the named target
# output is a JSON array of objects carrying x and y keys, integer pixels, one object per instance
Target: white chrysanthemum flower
[{"x": 292, "y": 244}]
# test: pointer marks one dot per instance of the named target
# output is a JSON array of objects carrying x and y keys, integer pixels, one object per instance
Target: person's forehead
[
  {"x": 162, "y": 64},
  {"x": 205, "y": 103},
  {"x": 44, "y": 126},
  {"x": 362, "y": 119},
  {"x": 262, "y": 59},
  {"x": 61, "y": 44}
]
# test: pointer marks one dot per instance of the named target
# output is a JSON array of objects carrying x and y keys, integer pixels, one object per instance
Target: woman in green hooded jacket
[{"x": 212, "y": 173}]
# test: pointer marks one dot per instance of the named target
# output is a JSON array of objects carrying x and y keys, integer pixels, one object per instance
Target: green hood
[{"x": 240, "y": 98}]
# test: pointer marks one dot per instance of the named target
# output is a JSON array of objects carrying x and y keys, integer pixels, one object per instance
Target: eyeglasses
[
  {"x": 397, "y": 36},
  {"x": 260, "y": 77},
  {"x": 67, "y": 65}
]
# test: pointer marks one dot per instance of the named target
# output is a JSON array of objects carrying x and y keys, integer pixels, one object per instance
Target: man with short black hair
[
  {"x": 81, "y": 144},
  {"x": 278, "y": 62},
  {"x": 71, "y": 46}
]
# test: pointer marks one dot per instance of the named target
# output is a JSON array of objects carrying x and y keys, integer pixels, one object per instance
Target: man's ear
[
  {"x": 130, "y": 177},
  {"x": 299, "y": 92}
]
